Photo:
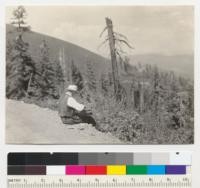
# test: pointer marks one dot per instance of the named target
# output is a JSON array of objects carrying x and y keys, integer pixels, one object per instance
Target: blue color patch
[{"x": 156, "y": 169}]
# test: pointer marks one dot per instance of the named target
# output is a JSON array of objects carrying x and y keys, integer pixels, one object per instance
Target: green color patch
[{"x": 136, "y": 169}]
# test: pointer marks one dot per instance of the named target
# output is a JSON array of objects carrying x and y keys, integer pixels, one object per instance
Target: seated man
[{"x": 71, "y": 111}]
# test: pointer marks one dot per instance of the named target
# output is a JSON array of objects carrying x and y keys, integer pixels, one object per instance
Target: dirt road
[{"x": 30, "y": 124}]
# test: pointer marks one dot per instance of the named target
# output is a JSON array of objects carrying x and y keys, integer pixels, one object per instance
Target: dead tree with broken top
[
  {"x": 111, "y": 39},
  {"x": 116, "y": 53}
]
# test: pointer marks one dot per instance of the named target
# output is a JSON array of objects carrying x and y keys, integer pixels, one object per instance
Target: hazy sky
[{"x": 150, "y": 29}]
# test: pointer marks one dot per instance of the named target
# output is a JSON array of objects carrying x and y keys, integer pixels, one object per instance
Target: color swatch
[
  {"x": 116, "y": 170},
  {"x": 99, "y": 163},
  {"x": 75, "y": 170},
  {"x": 136, "y": 169},
  {"x": 173, "y": 158},
  {"x": 98, "y": 170}
]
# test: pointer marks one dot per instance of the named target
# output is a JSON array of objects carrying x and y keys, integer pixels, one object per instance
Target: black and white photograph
[{"x": 99, "y": 74}]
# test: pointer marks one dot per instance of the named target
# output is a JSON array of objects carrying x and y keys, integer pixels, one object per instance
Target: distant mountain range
[{"x": 181, "y": 64}]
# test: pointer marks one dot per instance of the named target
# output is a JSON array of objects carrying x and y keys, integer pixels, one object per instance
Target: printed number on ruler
[{"x": 182, "y": 181}]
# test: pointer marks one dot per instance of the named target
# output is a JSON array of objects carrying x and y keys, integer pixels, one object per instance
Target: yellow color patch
[{"x": 116, "y": 170}]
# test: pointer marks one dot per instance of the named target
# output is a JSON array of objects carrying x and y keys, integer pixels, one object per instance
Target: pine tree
[
  {"x": 156, "y": 99},
  {"x": 91, "y": 79},
  {"x": 122, "y": 95},
  {"x": 59, "y": 78},
  {"x": 104, "y": 84},
  {"x": 22, "y": 67},
  {"x": 76, "y": 76},
  {"x": 47, "y": 85},
  {"x": 191, "y": 100},
  {"x": 132, "y": 92},
  {"x": 175, "y": 108}
]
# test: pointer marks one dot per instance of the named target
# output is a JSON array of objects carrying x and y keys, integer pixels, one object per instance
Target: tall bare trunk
[{"x": 113, "y": 55}]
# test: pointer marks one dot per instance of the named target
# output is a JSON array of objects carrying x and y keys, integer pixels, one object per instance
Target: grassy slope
[{"x": 72, "y": 52}]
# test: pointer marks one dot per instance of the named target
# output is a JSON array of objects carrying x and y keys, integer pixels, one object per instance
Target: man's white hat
[{"x": 72, "y": 88}]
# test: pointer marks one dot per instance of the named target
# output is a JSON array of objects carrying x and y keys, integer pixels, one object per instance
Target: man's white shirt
[{"x": 71, "y": 102}]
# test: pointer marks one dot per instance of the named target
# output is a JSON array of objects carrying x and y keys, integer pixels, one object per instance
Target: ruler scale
[{"x": 99, "y": 181}]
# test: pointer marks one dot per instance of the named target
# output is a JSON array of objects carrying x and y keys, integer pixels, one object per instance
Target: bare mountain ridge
[{"x": 181, "y": 64}]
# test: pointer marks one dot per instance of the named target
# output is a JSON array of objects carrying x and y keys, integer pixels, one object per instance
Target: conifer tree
[
  {"x": 104, "y": 84},
  {"x": 91, "y": 79},
  {"x": 47, "y": 86},
  {"x": 59, "y": 78},
  {"x": 76, "y": 76},
  {"x": 157, "y": 91},
  {"x": 22, "y": 67}
]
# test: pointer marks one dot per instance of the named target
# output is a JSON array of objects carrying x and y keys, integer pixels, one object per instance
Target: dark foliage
[
  {"x": 19, "y": 70},
  {"x": 76, "y": 75},
  {"x": 91, "y": 78},
  {"x": 47, "y": 72}
]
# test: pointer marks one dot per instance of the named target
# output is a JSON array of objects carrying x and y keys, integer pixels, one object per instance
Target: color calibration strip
[
  {"x": 100, "y": 170},
  {"x": 176, "y": 163},
  {"x": 173, "y": 158}
]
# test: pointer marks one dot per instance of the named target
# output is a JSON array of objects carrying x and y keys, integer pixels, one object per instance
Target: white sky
[{"x": 166, "y": 30}]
